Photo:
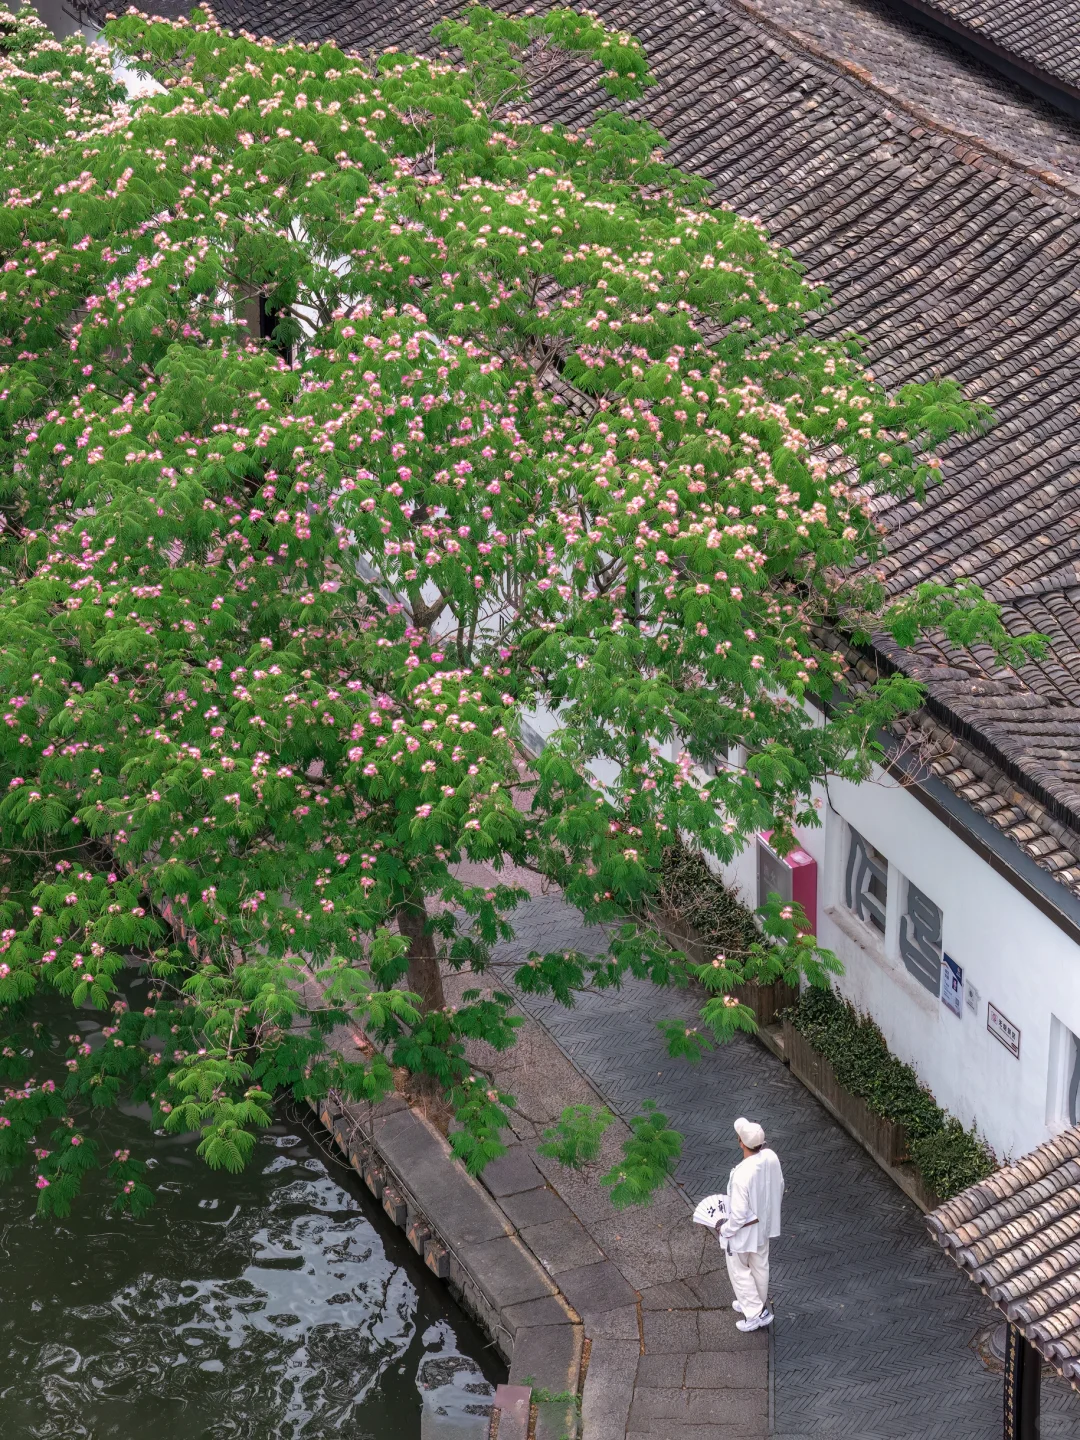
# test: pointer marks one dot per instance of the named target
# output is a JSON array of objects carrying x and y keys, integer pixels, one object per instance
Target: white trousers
[{"x": 749, "y": 1276}]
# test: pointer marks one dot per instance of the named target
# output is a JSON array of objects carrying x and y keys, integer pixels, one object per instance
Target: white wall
[{"x": 1018, "y": 959}]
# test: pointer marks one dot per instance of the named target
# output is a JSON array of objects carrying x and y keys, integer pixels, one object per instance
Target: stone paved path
[{"x": 874, "y": 1327}]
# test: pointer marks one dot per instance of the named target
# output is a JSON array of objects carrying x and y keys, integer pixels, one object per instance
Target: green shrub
[
  {"x": 952, "y": 1159},
  {"x": 856, "y": 1049},
  {"x": 948, "y": 1157}
]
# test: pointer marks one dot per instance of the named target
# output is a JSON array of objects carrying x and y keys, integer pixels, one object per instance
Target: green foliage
[
  {"x": 273, "y": 608},
  {"x": 949, "y": 1157},
  {"x": 648, "y": 1160},
  {"x": 772, "y": 945},
  {"x": 575, "y": 1138},
  {"x": 952, "y": 1158},
  {"x": 856, "y": 1049}
]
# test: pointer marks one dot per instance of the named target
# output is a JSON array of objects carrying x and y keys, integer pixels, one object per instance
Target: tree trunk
[{"x": 424, "y": 978}]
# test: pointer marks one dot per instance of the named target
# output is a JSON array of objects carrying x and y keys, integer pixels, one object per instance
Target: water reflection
[{"x": 270, "y": 1304}]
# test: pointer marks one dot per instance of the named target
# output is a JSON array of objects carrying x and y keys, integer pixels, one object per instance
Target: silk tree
[{"x": 354, "y": 410}]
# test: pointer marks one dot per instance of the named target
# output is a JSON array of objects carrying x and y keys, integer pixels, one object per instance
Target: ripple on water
[{"x": 266, "y": 1306}]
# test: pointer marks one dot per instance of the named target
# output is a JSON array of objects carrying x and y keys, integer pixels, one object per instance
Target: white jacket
[{"x": 755, "y": 1190}]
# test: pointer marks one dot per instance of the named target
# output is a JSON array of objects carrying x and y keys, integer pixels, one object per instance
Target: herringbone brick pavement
[{"x": 874, "y": 1329}]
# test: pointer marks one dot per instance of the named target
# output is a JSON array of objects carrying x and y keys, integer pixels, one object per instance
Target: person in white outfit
[{"x": 755, "y": 1190}]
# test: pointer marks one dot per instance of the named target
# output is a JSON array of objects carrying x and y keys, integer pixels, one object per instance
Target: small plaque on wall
[
  {"x": 1004, "y": 1030},
  {"x": 952, "y": 986}
]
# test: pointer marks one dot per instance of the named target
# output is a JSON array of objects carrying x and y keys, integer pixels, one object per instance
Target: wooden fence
[{"x": 886, "y": 1140}]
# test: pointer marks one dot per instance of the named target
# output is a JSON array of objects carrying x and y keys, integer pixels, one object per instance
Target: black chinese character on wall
[
  {"x": 920, "y": 939},
  {"x": 866, "y": 881}
]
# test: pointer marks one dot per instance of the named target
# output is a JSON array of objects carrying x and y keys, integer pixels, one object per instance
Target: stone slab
[
  {"x": 658, "y": 1402},
  {"x": 505, "y": 1272},
  {"x": 392, "y": 1105},
  {"x": 739, "y": 1410},
  {"x": 713, "y": 1290},
  {"x": 718, "y": 1331},
  {"x": 665, "y": 1371},
  {"x": 662, "y": 1430},
  {"x": 723, "y": 1370},
  {"x": 562, "y": 1245},
  {"x": 512, "y": 1403},
  {"x": 534, "y": 1207},
  {"x": 547, "y": 1357},
  {"x": 609, "y": 1388},
  {"x": 620, "y": 1323},
  {"x": 453, "y": 1203},
  {"x": 748, "y": 1409},
  {"x": 671, "y": 1331},
  {"x": 511, "y": 1173},
  {"x": 595, "y": 1288},
  {"x": 548, "y": 1310}
]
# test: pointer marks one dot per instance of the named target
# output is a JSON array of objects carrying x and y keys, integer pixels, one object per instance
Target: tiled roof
[
  {"x": 929, "y": 747},
  {"x": 947, "y": 258},
  {"x": 1041, "y": 34},
  {"x": 1017, "y": 1235},
  {"x": 937, "y": 81}
]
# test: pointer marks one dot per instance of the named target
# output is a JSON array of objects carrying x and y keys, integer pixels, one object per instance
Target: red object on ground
[{"x": 512, "y": 1403}]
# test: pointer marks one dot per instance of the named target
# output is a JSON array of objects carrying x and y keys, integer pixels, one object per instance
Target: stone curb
[{"x": 466, "y": 1239}]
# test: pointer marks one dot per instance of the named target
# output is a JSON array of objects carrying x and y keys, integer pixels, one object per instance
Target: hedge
[{"x": 948, "y": 1157}]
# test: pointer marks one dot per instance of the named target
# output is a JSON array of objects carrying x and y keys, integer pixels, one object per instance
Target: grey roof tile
[{"x": 1017, "y": 1235}]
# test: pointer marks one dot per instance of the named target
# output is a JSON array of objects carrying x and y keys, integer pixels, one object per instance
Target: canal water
[{"x": 279, "y": 1304}]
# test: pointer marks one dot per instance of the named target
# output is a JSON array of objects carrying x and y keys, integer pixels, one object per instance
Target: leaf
[{"x": 575, "y": 1139}]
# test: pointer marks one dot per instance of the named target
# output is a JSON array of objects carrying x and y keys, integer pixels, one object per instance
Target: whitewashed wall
[{"x": 1016, "y": 957}]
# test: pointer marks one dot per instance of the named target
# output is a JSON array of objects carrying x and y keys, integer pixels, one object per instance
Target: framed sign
[
  {"x": 952, "y": 986},
  {"x": 1004, "y": 1030}
]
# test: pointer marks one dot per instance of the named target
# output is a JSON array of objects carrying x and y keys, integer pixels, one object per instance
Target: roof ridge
[{"x": 861, "y": 80}]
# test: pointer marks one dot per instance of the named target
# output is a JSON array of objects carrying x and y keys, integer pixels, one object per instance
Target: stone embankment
[{"x": 625, "y": 1317}]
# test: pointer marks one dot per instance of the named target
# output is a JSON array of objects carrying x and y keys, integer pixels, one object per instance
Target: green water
[{"x": 276, "y": 1304}]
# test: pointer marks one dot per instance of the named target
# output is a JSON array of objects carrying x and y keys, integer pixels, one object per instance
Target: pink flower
[{"x": 42, "y": 1183}]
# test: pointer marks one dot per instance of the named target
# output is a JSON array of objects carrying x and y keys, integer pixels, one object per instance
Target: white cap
[{"x": 750, "y": 1133}]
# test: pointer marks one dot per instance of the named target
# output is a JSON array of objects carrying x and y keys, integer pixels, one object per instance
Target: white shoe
[
  {"x": 759, "y": 1323},
  {"x": 737, "y": 1307}
]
